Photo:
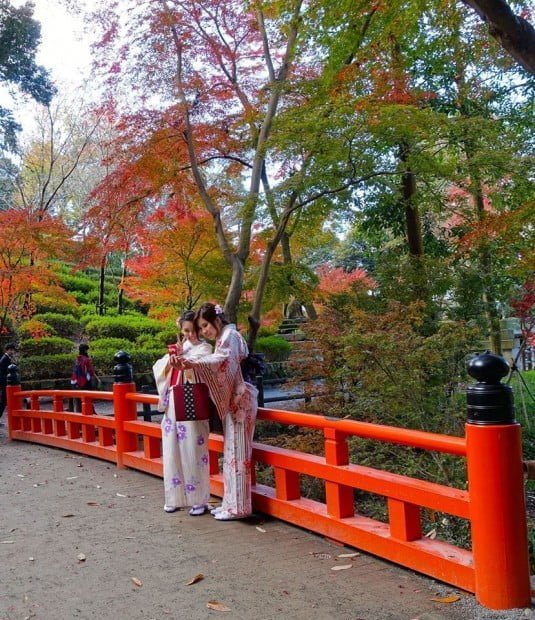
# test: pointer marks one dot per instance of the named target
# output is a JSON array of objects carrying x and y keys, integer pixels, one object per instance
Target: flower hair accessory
[{"x": 218, "y": 310}]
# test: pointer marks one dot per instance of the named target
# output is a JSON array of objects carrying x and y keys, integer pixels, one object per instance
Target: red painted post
[
  {"x": 496, "y": 489},
  {"x": 405, "y": 521},
  {"x": 124, "y": 410},
  {"x": 13, "y": 402},
  {"x": 88, "y": 431},
  {"x": 60, "y": 428},
  {"x": 287, "y": 485},
  {"x": 339, "y": 497}
]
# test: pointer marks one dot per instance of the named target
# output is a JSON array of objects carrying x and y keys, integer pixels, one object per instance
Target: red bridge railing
[{"x": 496, "y": 569}]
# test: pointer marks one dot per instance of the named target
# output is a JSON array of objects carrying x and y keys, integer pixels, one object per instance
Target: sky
[
  {"x": 64, "y": 52},
  {"x": 64, "y": 49}
]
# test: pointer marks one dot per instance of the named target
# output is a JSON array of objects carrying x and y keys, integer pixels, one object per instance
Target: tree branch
[{"x": 514, "y": 33}]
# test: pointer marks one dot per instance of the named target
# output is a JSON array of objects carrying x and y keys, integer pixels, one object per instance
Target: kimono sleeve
[
  {"x": 162, "y": 376},
  {"x": 221, "y": 370}
]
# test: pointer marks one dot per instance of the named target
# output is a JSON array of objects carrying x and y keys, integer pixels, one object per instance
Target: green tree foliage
[{"x": 20, "y": 35}]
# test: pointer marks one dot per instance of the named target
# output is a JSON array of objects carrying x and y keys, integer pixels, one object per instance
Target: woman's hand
[
  {"x": 174, "y": 361},
  {"x": 179, "y": 362},
  {"x": 186, "y": 364}
]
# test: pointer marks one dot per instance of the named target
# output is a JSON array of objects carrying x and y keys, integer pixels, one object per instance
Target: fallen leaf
[
  {"x": 121, "y": 495},
  {"x": 81, "y": 557},
  {"x": 348, "y": 555},
  {"x": 321, "y": 556},
  {"x": 137, "y": 581},
  {"x": 446, "y": 599},
  {"x": 216, "y": 606},
  {"x": 92, "y": 503},
  {"x": 431, "y": 534},
  {"x": 341, "y": 567},
  {"x": 31, "y": 559},
  {"x": 20, "y": 475},
  {"x": 72, "y": 477},
  {"x": 68, "y": 515},
  {"x": 261, "y": 529},
  {"x": 6, "y": 542},
  {"x": 195, "y": 579}
]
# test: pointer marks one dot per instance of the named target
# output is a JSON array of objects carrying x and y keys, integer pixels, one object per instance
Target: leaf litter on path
[
  {"x": 217, "y": 606},
  {"x": 195, "y": 579},
  {"x": 341, "y": 567}
]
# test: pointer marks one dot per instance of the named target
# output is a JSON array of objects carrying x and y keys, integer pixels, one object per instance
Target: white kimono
[
  {"x": 237, "y": 403},
  {"x": 186, "y": 472}
]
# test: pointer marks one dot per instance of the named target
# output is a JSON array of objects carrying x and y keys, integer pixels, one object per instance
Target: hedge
[
  {"x": 32, "y": 327},
  {"x": 47, "y": 367},
  {"x": 79, "y": 283},
  {"x": 275, "y": 348},
  {"x": 49, "y": 304},
  {"x": 49, "y": 345},
  {"x": 124, "y": 326},
  {"x": 65, "y": 325}
]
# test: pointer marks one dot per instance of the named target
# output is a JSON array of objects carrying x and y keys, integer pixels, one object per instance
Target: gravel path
[{"x": 82, "y": 539}]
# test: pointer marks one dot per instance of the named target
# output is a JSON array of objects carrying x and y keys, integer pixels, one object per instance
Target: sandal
[
  {"x": 197, "y": 511},
  {"x": 170, "y": 508},
  {"x": 215, "y": 510},
  {"x": 225, "y": 515}
]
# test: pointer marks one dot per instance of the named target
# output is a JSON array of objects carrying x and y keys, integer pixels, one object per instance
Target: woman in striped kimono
[
  {"x": 184, "y": 444},
  {"x": 236, "y": 403}
]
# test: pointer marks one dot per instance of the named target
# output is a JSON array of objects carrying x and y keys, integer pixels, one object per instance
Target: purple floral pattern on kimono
[
  {"x": 181, "y": 432},
  {"x": 167, "y": 425}
]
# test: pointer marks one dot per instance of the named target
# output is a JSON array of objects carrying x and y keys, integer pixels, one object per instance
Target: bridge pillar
[
  {"x": 13, "y": 402},
  {"x": 124, "y": 410},
  {"x": 496, "y": 488}
]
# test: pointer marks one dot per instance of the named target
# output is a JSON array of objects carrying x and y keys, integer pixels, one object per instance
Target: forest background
[{"x": 369, "y": 164}]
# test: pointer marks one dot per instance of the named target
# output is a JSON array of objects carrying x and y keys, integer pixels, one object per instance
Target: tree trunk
[
  {"x": 489, "y": 301},
  {"x": 235, "y": 289},
  {"x": 514, "y": 33},
  {"x": 413, "y": 227},
  {"x": 101, "y": 303},
  {"x": 120, "y": 297}
]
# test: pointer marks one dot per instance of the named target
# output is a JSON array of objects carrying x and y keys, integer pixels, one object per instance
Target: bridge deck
[{"x": 55, "y": 505}]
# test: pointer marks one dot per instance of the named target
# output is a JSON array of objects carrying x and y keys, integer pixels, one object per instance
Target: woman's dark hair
[
  {"x": 210, "y": 312},
  {"x": 83, "y": 349},
  {"x": 189, "y": 315}
]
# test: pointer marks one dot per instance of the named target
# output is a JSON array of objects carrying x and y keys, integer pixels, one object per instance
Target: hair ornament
[{"x": 218, "y": 310}]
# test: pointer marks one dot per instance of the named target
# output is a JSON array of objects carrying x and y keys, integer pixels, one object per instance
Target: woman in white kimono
[
  {"x": 186, "y": 474},
  {"x": 236, "y": 403}
]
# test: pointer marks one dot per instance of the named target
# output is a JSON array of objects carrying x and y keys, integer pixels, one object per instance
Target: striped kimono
[
  {"x": 236, "y": 403},
  {"x": 186, "y": 471}
]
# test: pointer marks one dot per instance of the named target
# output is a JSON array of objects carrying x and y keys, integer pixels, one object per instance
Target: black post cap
[
  {"x": 12, "y": 376},
  {"x": 489, "y": 401},
  {"x": 123, "y": 371}
]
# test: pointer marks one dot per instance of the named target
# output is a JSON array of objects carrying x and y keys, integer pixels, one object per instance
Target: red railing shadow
[{"x": 496, "y": 569}]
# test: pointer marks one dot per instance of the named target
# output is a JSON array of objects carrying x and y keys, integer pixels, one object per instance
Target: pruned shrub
[
  {"x": 110, "y": 345},
  {"x": 34, "y": 328},
  {"x": 275, "y": 348},
  {"x": 55, "y": 304},
  {"x": 80, "y": 283},
  {"x": 129, "y": 327},
  {"x": 49, "y": 345},
  {"x": 65, "y": 325}
]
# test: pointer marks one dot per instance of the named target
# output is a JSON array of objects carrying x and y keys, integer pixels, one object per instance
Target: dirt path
[{"x": 137, "y": 560}]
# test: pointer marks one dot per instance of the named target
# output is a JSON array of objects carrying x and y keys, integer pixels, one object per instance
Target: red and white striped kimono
[{"x": 236, "y": 403}]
